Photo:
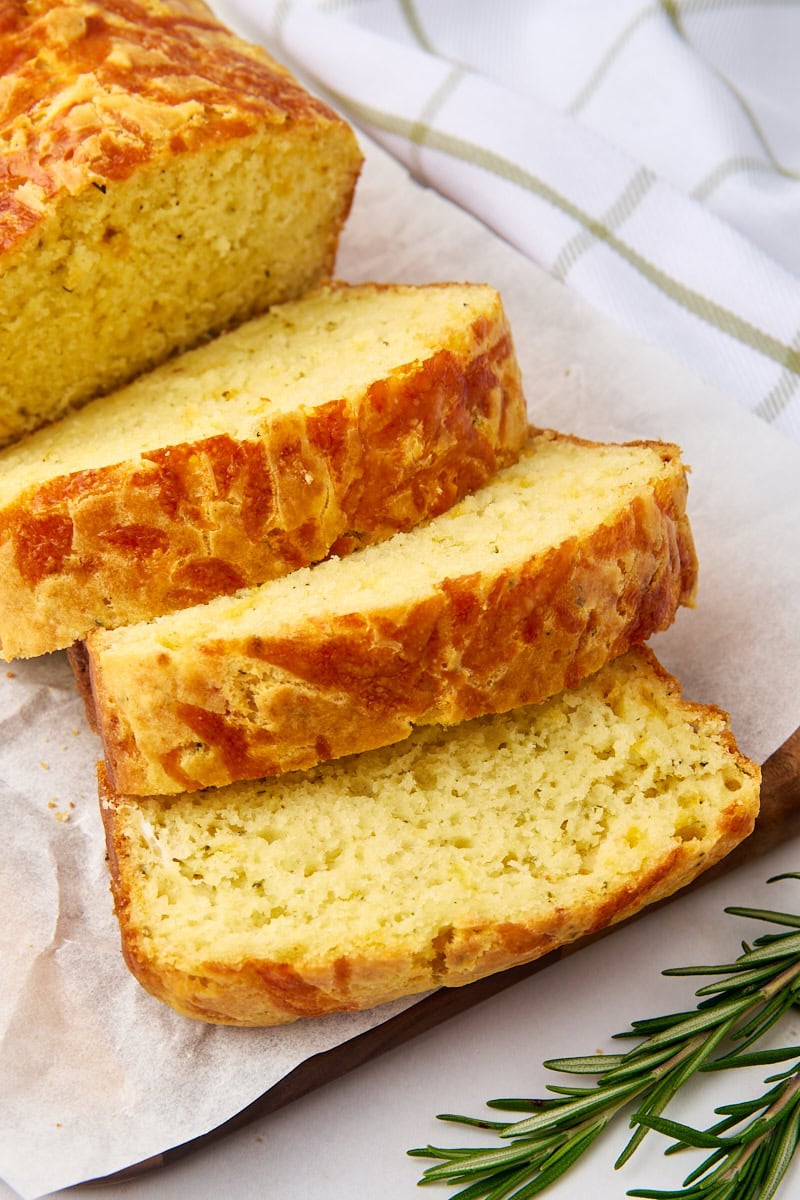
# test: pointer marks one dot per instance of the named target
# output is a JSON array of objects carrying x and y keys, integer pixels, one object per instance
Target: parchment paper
[{"x": 96, "y": 1075}]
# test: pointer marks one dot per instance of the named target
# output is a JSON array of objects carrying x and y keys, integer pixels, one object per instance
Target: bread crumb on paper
[{"x": 62, "y": 814}]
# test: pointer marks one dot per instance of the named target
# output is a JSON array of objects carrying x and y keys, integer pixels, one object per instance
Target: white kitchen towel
[{"x": 647, "y": 154}]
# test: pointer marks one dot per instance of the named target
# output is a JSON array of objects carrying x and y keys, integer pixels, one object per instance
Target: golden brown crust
[
  {"x": 91, "y": 92},
  {"x": 351, "y": 682},
  {"x": 187, "y": 522}
]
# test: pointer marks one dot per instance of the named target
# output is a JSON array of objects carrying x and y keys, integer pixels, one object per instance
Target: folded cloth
[{"x": 647, "y": 154}]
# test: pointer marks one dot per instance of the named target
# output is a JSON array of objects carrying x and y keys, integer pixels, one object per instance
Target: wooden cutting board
[{"x": 778, "y": 821}]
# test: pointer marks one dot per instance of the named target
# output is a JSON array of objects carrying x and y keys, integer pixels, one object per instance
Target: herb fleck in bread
[
  {"x": 455, "y": 854},
  {"x": 160, "y": 179},
  {"x": 528, "y": 585},
  {"x": 327, "y": 423}
]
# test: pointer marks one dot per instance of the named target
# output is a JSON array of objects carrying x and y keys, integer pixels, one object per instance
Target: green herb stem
[{"x": 750, "y": 1148}]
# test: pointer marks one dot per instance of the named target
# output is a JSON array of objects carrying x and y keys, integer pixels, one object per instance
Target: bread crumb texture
[
  {"x": 325, "y": 424},
  {"x": 561, "y": 562},
  {"x": 454, "y": 854},
  {"x": 146, "y": 152}
]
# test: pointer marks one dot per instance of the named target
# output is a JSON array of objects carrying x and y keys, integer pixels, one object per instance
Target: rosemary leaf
[
  {"x": 570, "y": 1109},
  {"x": 590, "y": 1064},
  {"x": 766, "y": 914},
  {"x": 757, "y": 1059},
  {"x": 685, "y": 1133}
]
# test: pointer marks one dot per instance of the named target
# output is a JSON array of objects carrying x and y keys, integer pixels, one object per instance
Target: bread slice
[
  {"x": 525, "y": 587},
  {"x": 458, "y": 853},
  {"x": 328, "y": 423},
  {"x": 160, "y": 179}
]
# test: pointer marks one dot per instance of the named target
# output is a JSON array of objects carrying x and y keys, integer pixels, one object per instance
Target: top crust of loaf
[{"x": 89, "y": 93}]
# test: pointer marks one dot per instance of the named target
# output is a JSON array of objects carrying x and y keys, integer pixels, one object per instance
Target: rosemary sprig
[
  {"x": 750, "y": 1149},
  {"x": 749, "y": 1162}
]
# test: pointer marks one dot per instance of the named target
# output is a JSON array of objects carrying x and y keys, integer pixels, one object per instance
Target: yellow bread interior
[
  {"x": 560, "y": 488},
  {"x": 554, "y": 818},
  {"x": 118, "y": 279},
  {"x": 333, "y": 343}
]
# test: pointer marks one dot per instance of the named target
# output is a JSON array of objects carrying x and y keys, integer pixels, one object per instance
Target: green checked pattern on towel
[{"x": 647, "y": 154}]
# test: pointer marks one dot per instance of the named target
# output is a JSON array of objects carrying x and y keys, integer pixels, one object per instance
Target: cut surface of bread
[
  {"x": 160, "y": 179},
  {"x": 455, "y": 854},
  {"x": 526, "y": 586},
  {"x": 325, "y": 424}
]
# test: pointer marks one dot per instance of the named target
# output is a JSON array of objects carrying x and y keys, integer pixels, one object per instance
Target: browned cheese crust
[
  {"x": 187, "y": 522},
  {"x": 480, "y": 643},
  {"x": 88, "y": 90}
]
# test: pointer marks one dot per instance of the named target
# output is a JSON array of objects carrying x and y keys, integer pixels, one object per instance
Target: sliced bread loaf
[
  {"x": 327, "y": 423},
  {"x": 455, "y": 854},
  {"x": 160, "y": 178},
  {"x": 526, "y": 586}
]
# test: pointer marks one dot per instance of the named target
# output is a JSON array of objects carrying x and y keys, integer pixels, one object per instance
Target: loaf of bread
[
  {"x": 160, "y": 179},
  {"x": 561, "y": 562},
  {"x": 325, "y": 424},
  {"x": 458, "y": 853}
]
